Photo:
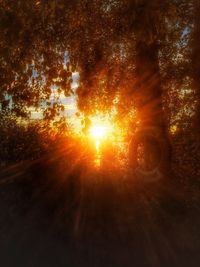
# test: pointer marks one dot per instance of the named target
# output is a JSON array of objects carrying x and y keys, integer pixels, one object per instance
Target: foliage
[
  {"x": 126, "y": 52},
  {"x": 22, "y": 141}
]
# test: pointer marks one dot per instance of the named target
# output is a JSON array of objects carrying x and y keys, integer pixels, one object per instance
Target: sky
[{"x": 70, "y": 104}]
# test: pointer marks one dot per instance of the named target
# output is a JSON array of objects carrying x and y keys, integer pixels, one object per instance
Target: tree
[
  {"x": 33, "y": 61},
  {"x": 195, "y": 70},
  {"x": 126, "y": 53}
]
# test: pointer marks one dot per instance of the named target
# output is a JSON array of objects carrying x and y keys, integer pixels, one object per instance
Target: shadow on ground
[{"x": 60, "y": 213}]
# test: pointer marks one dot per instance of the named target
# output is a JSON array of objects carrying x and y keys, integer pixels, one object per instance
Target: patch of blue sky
[
  {"x": 69, "y": 102},
  {"x": 185, "y": 32}
]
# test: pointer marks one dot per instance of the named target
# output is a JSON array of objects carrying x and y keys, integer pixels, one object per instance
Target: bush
[{"x": 24, "y": 140}]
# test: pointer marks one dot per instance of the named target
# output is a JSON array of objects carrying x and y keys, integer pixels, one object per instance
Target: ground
[{"x": 94, "y": 218}]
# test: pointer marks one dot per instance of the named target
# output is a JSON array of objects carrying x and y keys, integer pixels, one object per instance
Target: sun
[
  {"x": 98, "y": 131},
  {"x": 100, "y": 128},
  {"x": 102, "y": 134}
]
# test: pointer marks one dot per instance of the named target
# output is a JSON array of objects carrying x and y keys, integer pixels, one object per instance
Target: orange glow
[
  {"x": 105, "y": 135},
  {"x": 101, "y": 129},
  {"x": 98, "y": 155},
  {"x": 97, "y": 145},
  {"x": 98, "y": 132},
  {"x": 173, "y": 129}
]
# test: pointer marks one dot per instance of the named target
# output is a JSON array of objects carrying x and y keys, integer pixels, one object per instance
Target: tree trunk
[
  {"x": 196, "y": 62},
  {"x": 148, "y": 91}
]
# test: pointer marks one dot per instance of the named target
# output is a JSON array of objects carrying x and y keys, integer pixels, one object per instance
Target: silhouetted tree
[{"x": 196, "y": 61}]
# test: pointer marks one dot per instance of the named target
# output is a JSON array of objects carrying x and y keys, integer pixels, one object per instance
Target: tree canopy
[{"x": 44, "y": 42}]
